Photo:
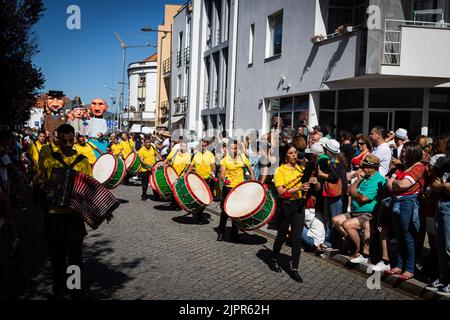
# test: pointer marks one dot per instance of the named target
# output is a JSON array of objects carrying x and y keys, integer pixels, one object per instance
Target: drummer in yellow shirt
[
  {"x": 232, "y": 169},
  {"x": 127, "y": 145},
  {"x": 204, "y": 164},
  {"x": 180, "y": 159},
  {"x": 288, "y": 181},
  {"x": 147, "y": 156},
  {"x": 35, "y": 149},
  {"x": 115, "y": 147},
  {"x": 86, "y": 149}
]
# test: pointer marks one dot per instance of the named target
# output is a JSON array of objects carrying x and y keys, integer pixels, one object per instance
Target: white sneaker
[
  {"x": 381, "y": 266},
  {"x": 445, "y": 291},
  {"x": 359, "y": 259},
  {"x": 435, "y": 285}
]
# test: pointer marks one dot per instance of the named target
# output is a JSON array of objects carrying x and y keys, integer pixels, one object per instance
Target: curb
[{"x": 412, "y": 287}]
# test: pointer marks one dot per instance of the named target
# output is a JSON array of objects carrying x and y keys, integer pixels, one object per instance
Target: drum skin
[
  {"x": 115, "y": 174},
  {"x": 260, "y": 214},
  {"x": 187, "y": 195}
]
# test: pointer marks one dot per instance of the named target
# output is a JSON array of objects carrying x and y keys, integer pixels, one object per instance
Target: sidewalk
[{"x": 413, "y": 286}]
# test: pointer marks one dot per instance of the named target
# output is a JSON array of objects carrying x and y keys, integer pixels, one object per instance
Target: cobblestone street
[{"x": 149, "y": 252}]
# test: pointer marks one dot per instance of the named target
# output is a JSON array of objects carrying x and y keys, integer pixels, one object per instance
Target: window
[
  {"x": 351, "y": 99},
  {"x": 346, "y": 12},
  {"x": 179, "y": 86},
  {"x": 275, "y": 26},
  {"x": 141, "y": 105},
  {"x": 292, "y": 110},
  {"x": 251, "y": 39},
  {"x": 180, "y": 41},
  {"x": 440, "y": 98},
  {"x": 142, "y": 80},
  {"x": 327, "y": 100},
  {"x": 396, "y": 98}
]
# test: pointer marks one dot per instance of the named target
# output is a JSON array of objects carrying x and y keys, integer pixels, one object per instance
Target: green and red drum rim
[
  {"x": 191, "y": 193},
  {"x": 133, "y": 163},
  {"x": 169, "y": 183},
  {"x": 118, "y": 163},
  {"x": 267, "y": 199}
]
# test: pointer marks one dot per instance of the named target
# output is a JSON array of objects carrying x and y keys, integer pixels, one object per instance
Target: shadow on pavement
[
  {"x": 100, "y": 279},
  {"x": 283, "y": 260},
  {"x": 166, "y": 207},
  {"x": 189, "y": 218}
]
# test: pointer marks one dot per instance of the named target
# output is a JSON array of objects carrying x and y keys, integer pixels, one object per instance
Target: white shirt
[
  {"x": 399, "y": 150},
  {"x": 383, "y": 151},
  {"x": 97, "y": 125},
  {"x": 313, "y": 221}
]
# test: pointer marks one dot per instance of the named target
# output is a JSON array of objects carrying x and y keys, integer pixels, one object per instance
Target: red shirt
[{"x": 415, "y": 174}]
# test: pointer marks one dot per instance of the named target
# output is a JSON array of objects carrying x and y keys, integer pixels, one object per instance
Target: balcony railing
[
  {"x": 187, "y": 55},
  {"x": 179, "y": 58},
  {"x": 181, "y": 105},
  {"x": 167, "y": 65},
  {"x": 393, "y": 37}
]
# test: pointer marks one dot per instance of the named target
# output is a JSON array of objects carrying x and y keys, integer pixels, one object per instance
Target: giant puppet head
[
  {"x": 54, "y": 102},
  {"x": 77, "y": 108},
  {"x": 98, "y": 107}
]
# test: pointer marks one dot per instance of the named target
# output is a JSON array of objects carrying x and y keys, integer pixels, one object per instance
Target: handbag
[{"x": 332, "y": 189}]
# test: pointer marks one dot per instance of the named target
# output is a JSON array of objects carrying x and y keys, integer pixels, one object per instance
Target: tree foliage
[{"x": 21, "y": 79}]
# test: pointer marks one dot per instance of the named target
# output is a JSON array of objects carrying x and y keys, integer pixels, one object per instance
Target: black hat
[{"x": 56, "y": 94}]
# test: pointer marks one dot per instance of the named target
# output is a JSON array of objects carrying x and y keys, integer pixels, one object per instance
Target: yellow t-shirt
[
  {"x": 34, "y": 150},
  {"x": 116, "y": 149},
  {"x": 49, "y": 163},
  {"x": 45, "y": 151},
  {"x": 148, "y": 157},
  {"x": 87, "y": 151},
  {"x": 284, "y": 176},
  {"x": 202, "y": 163},
  {"x": 235, "y": 169},
  {"x": 127, "y": 147},
  {"x": 180, "y": 161}
]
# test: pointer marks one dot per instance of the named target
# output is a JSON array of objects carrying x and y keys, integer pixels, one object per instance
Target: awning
[
  {"x": 136, "y": 128},
  {"x": 174, "y": 120}
]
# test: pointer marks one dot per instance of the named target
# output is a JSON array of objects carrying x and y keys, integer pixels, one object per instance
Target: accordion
[{"x": 84, "y": 195}]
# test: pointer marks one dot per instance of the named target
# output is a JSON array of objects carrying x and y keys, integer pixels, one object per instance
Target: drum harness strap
[{"x": 94, "y": 147}]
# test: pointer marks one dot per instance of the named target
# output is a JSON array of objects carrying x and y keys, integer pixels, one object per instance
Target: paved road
[{"x": 149, "y": 252}]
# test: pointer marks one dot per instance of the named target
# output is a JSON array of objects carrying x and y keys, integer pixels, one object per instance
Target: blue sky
[{"x": 81, "y": 62}]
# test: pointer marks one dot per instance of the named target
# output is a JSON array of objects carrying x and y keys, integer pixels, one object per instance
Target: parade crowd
[{"x": 373, "y": 197}]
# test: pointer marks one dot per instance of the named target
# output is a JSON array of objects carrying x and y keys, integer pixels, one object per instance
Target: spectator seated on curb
[{"x": 365, "y": 194}]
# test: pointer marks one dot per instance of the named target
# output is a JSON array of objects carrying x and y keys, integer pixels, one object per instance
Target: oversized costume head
[
  {"x": 55, "y": 102},
  {"x": 98, "y": 107},
  {"x": 77, "y": 108}
]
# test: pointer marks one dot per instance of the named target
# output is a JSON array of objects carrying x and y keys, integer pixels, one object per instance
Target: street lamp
[
  {"x": 124, "y": 47},
  {"x": 148, "y": 29}
]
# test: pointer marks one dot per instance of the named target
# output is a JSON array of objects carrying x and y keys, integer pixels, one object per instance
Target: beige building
[{"x": 164, "y": 62}]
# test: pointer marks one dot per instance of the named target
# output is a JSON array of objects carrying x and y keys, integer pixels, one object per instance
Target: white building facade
[
  {"x": 142, "y": 79},
  {"x": 356, "y": 64},
  {"x": 203, "y": 58},
  {"x": 393, "y": 72}
]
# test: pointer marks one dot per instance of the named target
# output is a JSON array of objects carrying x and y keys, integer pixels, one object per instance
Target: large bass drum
[
  {"x": 109, "y": 170},
  {"x": 192, "y": 193},
  {"x": 163, "y": 180},
  {"x": 132, "y": 163},
  {"x": 250, "y": 205}
]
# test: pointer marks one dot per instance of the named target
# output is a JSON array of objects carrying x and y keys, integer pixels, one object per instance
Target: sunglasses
[{"x": 361, "y": 143}]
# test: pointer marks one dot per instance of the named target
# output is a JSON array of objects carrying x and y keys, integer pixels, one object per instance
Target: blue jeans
[
  {"x": 404, "y": 232},
  {"x": 334, "y": 206},
  {"x": 442, "y": 225},
  {"x": 307, "y": 240}
]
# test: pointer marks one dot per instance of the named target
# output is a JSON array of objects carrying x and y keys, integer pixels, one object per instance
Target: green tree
[{"x": 18, "y": 44}]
